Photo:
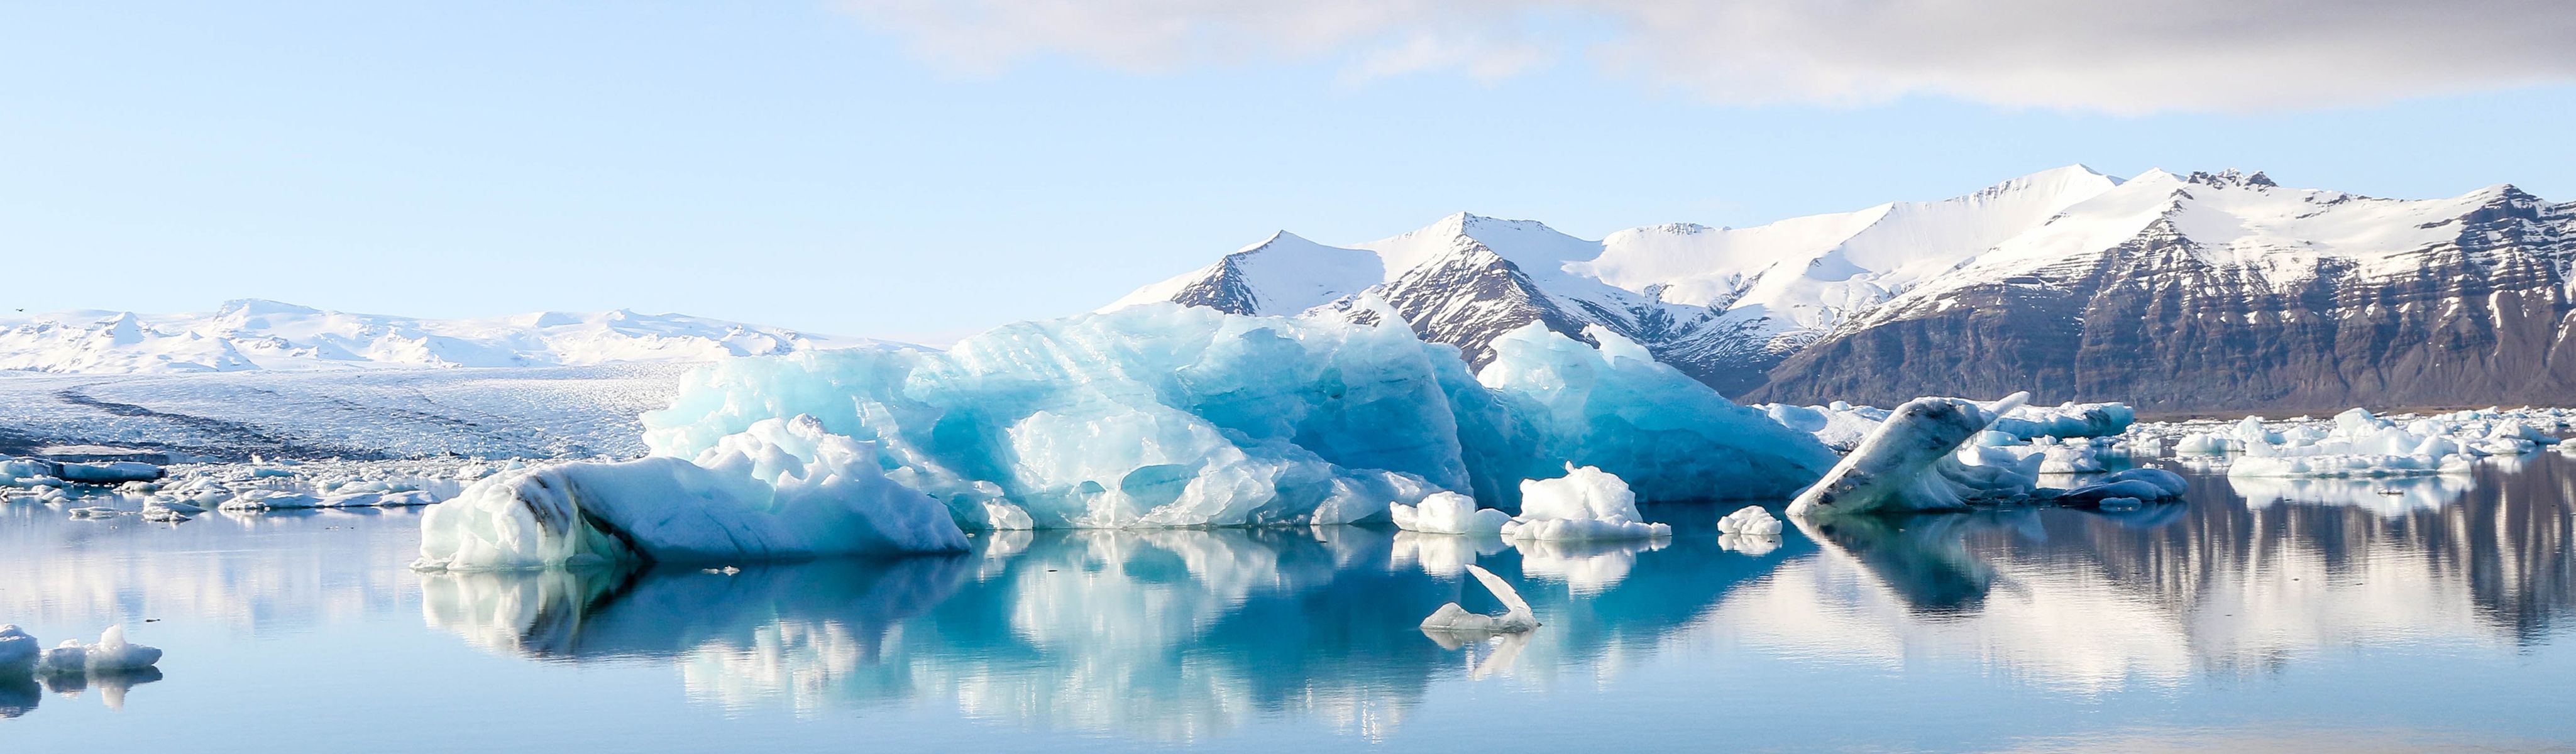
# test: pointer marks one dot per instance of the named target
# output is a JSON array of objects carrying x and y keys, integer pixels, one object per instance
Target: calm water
[{"x": 2425, "y": 614}]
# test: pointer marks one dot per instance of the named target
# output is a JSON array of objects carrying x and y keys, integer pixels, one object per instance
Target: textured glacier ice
[
  {"x": 1922, "y": 458},
  {"x": 1448, "y": 513},
  {"x": 1162, "y": 415},
  {"x": 1516, "y": 617},
  {"x": 781, "y": 488}
]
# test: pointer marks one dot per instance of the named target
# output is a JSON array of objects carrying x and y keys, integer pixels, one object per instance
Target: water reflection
[{"x": 1184, "y": 635}]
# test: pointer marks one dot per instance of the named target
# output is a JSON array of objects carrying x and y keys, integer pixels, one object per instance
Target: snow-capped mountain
[
  {"x": 2211, "y": 290},
  {"x": 255, "y": 335}
]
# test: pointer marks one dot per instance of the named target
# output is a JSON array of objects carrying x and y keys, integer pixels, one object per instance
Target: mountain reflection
[{"x": 1183, "y": 634}]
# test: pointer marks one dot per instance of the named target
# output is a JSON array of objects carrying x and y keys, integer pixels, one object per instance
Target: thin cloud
[{"x": 2197, "y": 55}]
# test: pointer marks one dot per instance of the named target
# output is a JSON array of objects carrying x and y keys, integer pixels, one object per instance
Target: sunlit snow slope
[
  {"x": 266, "y": 335},
  {"x": 2199, "y": 291}
]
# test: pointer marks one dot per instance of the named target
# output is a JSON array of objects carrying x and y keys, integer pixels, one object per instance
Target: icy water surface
[{"x": 2412, "y": 615}]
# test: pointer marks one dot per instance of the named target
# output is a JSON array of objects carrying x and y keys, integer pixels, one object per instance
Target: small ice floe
[
  {"x": 18, "y": 651},
  {"x": 112, "y": 654},
  {"x": 1448, "y": 513},
  {"x": 2127, "y": 489},
  {"x": 1750, "y": 520},
  {"x": 1516, "y": 617},
  {"x": 1585, "y": 504},
  {"x": 96, "y": 512}
]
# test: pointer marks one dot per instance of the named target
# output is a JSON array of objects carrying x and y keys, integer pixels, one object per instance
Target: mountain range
[
  {"x": 2182, "y": 292},
  {"x": 254, "y": 334}
]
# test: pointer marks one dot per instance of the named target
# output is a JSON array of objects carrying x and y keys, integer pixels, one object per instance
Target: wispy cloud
[{"x": 2122, "y": 57}]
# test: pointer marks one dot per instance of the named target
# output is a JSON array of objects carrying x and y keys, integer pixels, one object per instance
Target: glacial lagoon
[{"x": 2430, "y": 612}]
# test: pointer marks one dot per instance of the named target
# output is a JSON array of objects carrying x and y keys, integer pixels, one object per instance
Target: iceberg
[
  {"x": 18, "y": 651},
  {"x": 1751, "y": 520},
  {"x": 1516, "y": 617},
  {"x": 782, "y": 488},
  {"x": 1449, "y": 513},
  {"x": 112, "y": 654},
  {"x": 1169, "y": 416},
  {"x": 1585, "y": 504},
  {"x": 1922, "y": 458},
  {"x": 1617, "y": 408},
  {"x": 2067, "y": 420}
]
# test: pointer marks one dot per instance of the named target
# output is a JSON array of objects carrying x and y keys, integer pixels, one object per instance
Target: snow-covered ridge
[
  {"x": 253, "y": 334},
  {"x": 1728, "y": 304}
]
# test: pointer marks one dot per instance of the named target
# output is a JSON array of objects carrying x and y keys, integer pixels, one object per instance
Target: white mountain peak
[{"x": 260, "y": 334}]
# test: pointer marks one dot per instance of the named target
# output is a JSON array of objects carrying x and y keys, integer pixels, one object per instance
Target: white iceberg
[
  {"x": 1448, "y": 513},
  {"x": 1750, "y": 520},
  {"x": 779, "y": 489},
  {"x": 1922, "y": 458},
  {"x": 1585, "y": 504},
  {"x": 1516, "y": 617},
  {"x": 112, "y": 653}
]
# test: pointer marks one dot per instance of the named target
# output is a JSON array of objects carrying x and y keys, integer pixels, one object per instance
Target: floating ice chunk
[
  {"x": 67, "y": 657},
  {"x": 1751, "y": 520},
  {"x": 18, "y": 651},
  {"x": 264, "y": 500},
  {"x": 2067, "y": 420},
  {"x": 1585, "y": 504},
  {"x": 2347, "y": 465},
  {"x": 1449, "y": 513},
  {"x": 1914, "y": 462},
  {"x": 1615, "y": 407},
  {"x": 1516, "y": 617},
  {"x": 780, "y": 489},
  {"x": 113, "y": 654},
  {"x": 2141, "y": 484}
]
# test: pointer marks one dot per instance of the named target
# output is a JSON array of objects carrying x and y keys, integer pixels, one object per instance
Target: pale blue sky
[{"x": 860, "y": 169}]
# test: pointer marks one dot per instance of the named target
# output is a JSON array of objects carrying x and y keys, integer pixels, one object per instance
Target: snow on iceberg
[
  {"x": 1585, "y": 504},
  {"x": 1922, "y": 458},
  {"x": 781, "y": 488},
  {"x": 1516, "y": 617},
  {"x": 1448, "y": 513},
  {"x": 1161, "y": 415}
]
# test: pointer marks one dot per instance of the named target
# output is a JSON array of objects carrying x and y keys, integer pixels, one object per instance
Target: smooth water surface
[{"x": 2369, "y": 615}]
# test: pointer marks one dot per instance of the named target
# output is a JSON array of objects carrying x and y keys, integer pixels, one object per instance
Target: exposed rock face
[
  {"x": 2212, "y": 291},
  {"x": 2477, "y": 318}
]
